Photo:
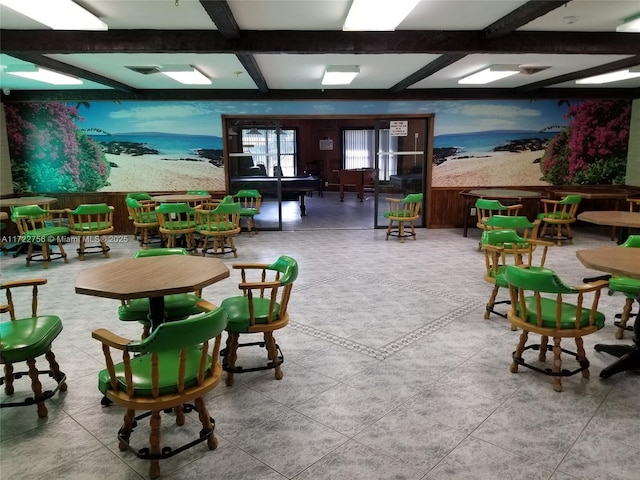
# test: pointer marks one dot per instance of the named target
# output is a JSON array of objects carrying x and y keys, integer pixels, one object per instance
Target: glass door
[{"x": 401, "y": 163}]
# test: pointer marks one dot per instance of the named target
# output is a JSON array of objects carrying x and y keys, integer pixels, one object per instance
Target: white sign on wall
[{"x": 398, "y": 128}]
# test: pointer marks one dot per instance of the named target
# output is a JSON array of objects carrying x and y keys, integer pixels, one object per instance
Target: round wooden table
[
  {"x": 22, "y": 201},
  {"x": 625, "y": 262},
  {"x": 180, "y": 198},
  {"x": 613, "y": 218},
  {"x": 495, "y": 194},
  {"x": 151, "y": 277}
]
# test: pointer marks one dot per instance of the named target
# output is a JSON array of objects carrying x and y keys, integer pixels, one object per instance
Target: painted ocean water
[
  {"x": 169, "y": 145},
  {"x": 483, "y": 143},
  {"x": 176, "y": 145}
]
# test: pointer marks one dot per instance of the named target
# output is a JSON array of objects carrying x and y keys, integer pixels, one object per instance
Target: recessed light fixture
[
  {"x": 616, "y": 76},
  {"x": 57, "y": 14},
  {"x": 340, "y": 74},
  {"x": 34, "y": 72},
  {"x": 186, "y": 74},
  {"x": 630, "y": 25},
  {"x": 377, "y": 15},
  {"x": 490, "y": 74}
]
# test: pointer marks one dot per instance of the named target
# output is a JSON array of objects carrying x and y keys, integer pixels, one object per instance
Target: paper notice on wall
[
  {"x": 398, "y": 128},
  {"x": 326, "y": 144}
]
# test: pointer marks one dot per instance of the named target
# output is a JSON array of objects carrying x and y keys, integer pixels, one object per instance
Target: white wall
[
  {"x": 633, "y": 158},
  {"x": 6, "y": 185}
]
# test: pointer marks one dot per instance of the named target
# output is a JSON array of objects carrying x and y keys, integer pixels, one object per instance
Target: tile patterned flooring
[{"x": 390, "y": 372}]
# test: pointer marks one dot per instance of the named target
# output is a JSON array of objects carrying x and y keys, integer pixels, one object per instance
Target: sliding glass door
[{"x": 401, "y": 161}]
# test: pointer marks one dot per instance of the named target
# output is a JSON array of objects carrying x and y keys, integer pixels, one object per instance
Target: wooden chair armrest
[
  {"x": 393, "y": 200},
  {"x": 256, "y": 285},
  {"x": 206, "y": 306},
  {"x": 536, "y": 241},
  {"x": 111, "y": 339},
  {"x": 514, "y": 207},
  {"x": 592, "y": 286},
  {"x": 250, "y": 265},
  {"x": 24, "y": 282},
  {"x": 549, "y": 200}
]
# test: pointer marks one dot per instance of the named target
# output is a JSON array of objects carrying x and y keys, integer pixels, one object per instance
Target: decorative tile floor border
[{"x": 466, "y": 306}]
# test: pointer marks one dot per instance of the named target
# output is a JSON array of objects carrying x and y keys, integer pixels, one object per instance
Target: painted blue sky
[{"x": 204, "y": 117}]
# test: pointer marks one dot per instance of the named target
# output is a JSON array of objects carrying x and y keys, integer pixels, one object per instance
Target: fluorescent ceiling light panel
[
  {"x": 630, "y": 25},
  {"x": 490, "y": 74},
  {"x": 187, "y": 75},
  {"x": 377, "y": 15},
  {"x": 611, "y": 77},
  {"x": 57, "y": 14},
  {"x": 34, "y": 72},
  {"x": 340, "y": 74}
]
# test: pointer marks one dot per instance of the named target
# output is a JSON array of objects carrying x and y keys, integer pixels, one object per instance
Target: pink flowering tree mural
[
  {"x": 49, "y": 153},
  {"x": 592, "y": 149}
]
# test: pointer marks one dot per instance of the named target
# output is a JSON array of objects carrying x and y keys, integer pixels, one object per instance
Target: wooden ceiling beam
[
  {"x": 521, "y": 16},
  {"x": 589, "y": 72},
  {"x": 315, "y": 42},
  {"x": 414, "y": 94},
  {"x": 220, "y": 13},
  {"x": 426, "y": 71},
  {"x": 67, "y": 69}
]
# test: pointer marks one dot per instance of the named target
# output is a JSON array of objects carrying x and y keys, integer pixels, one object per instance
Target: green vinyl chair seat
[
  {"x": 180, "y": 225},
  {"x": 36, "y": 235},
  {"x": 216, "y": 227},
  {"x": 626, "y": 285},
  {"x": 177, "y": 307},
  {"x": 567, "y": 312},
  {"x": 141, "y": 369},
  {"x": 91, "y": 226},
  {"x": 237, "y": 309},
  {"x": 26, "y": 338},
  {"x": 556, "y": 216}
]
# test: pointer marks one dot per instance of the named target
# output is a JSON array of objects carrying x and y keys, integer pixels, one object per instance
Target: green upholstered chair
[
  {"x": 178, "y": 306},
  {"x": 25, "y": 339},
  {"x": 518, "y": 223},
  {"x": 175, "y": 365},
  {"x": 486, "y": 208},
  {"x": 177, "y": 221},
  {"x": 262, "y": 308},
  {"x": 506, "y": 247},
  {"x": 250, "y": 201},
  {"x": 145, "y": 221},
  {"x": 558, "y": 215},
  {"x": 538, "y": 305},
  {"x": 38, "y": 226},
  {"x": 403, "y": 211},
  {"x": 206, "y": 196},
  {"x": 93, "y": 221},
  {"x": 218, "y": 224},
  {"x": 629, "y": 287}
]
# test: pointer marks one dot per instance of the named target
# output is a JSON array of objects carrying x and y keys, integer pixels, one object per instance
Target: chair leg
[
  {"x": 413, "y": 230},
  {"x": 491, "y": 302},
  {"x": 542, "y": 353},
  {"x": 36, "y": 386},
  {"x": 389, "y": 229},
  {"x": 624, "y": 318},
  {"x": 557, "y": 364},
  {"x": 55, "y": 370},
  {"x": 8, "y": 379},
  {"x": 205, "y": 419},
  {"x": 230, "y": 357},
  {"x": 154, "y": 444},
  {"x": 519, "y": 349},
  {"x": 582, "y": 357},
  {"x": 125, "y": 431},
  {"x": 103, "y": 246},
  {"x": 272, "y": 352},
  {"x": 63, "y": 254},
  {"x": 401, "y": 231},
  {"x": 81, "y": 249}
]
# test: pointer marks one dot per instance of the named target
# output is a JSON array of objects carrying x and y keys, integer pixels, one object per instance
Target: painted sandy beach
[
  {"x": 498, "y": 169},
  {"x": 155, "y": 173}
]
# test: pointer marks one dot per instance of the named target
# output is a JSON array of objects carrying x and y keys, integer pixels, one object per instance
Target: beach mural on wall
[{"x": 165, "y": 146}]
